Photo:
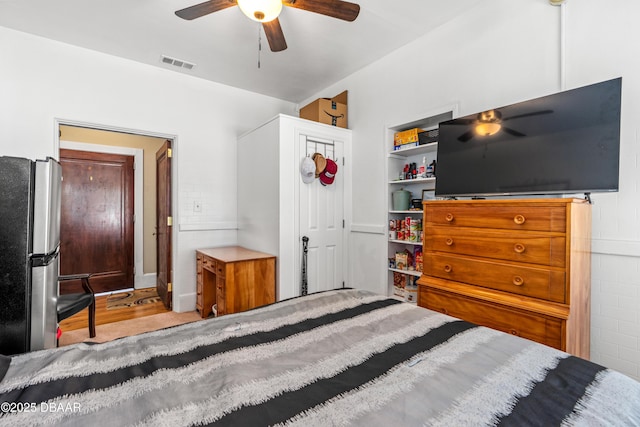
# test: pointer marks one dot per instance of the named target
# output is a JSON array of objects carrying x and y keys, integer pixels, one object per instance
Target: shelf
[
  {"x": 406, "y": 212},
  {"x": 405, "y": 242},
  {"x": 415, "y": 150},
  {"x": 395, "y": 163},
  {"x": 413, "y": 181},
  {"x": 409, "y": 272}
]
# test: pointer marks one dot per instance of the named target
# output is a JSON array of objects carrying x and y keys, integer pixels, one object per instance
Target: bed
[{"x": 343, "y": 357}]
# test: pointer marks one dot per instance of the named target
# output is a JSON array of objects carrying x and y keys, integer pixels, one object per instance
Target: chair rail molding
[{"x": 367, "y": 228}]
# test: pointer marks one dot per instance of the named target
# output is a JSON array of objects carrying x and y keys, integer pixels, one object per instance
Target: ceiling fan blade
[
  {"x": 334, "y": 8},
  {"x": 535, "y": 113},
  {"x": 275, "y": 36},
  {"x": 466, "y": 136},
  {"x": 512, "y": 132},
  {"x": 202, "y": 9}
]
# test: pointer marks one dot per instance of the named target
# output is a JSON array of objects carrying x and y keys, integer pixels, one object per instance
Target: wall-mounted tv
[{"x": 564, "y": 143}]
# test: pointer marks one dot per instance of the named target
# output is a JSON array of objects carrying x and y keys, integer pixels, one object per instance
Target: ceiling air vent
[{"x": 177, "y": 62}]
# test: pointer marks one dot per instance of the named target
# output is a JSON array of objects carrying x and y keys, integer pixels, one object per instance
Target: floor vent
[{"x": 177, "y": 62}]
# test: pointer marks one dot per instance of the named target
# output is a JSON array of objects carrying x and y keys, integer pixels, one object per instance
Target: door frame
[{"x": 174, "y": 169}]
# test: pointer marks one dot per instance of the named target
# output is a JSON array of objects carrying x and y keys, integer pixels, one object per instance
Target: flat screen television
[{"x": 564, "y": 143}]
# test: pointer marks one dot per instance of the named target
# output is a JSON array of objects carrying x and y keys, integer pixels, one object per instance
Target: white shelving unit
[
  {"x": 413, "y": 181},
  {"x": 409, "y": 272},
  {"x": 396, "y": 159}
]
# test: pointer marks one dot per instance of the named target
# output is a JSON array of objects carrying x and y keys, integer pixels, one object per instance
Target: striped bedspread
[{"x": 343, "y": 357}]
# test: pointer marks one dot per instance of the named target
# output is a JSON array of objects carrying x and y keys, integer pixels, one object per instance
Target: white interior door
[{"x": 322, "y": 219}]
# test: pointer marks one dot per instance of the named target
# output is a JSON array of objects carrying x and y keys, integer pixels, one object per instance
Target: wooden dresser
[
  {"x": 234, "y": 279},
  {"x": 520, "y": 266}
]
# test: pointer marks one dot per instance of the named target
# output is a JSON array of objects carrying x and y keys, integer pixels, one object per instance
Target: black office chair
[{"x": 70, "y": 304}]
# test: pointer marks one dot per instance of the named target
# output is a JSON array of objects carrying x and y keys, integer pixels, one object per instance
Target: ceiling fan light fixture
[
  {"x": 487, "y": 129},
  {"x": 488, "y": 123},
  {"x": 261, "y": 10}
]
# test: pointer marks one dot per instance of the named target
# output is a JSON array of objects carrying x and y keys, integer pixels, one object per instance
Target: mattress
[{"x": 342, "y": 357}]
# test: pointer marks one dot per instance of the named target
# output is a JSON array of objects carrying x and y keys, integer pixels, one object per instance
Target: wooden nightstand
[{"x": 233, "y": 279}]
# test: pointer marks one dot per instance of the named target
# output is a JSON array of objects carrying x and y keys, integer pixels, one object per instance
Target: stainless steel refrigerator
[{"x": 29, "y": 249}]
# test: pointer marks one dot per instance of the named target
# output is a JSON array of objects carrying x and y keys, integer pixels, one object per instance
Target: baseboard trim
[
  {"x": 145, "y": 281},
  {"x": 186, "y": 302}
]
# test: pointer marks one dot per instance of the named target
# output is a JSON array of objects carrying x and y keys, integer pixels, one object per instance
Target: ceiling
[{"x": 224, "y": 45}]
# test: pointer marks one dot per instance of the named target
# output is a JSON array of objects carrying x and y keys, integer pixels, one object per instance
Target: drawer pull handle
[
  {"x": 449, "y": 217},
  {"x": 448, "y": 268},
  {"x": 514, "y": 332},
  {"x": 519, "y": 248},
  {"x": 518, "y": 281},
  {"x": 449, "y": 241},
  {"x": 519, "y": 219}
]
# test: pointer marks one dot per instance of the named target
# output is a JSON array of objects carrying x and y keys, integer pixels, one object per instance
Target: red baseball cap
[{"x": 329, "y": 173}]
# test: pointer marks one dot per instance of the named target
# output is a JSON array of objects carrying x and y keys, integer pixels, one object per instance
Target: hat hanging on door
[
  {"x": 321, "y": 163},
  {"x": 307, "y": 170},
  {"x": 329, "y": 173}
]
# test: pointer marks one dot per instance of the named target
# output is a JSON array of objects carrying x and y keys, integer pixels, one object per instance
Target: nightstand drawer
[
  {"x": 544, "y": 329},
  {"x": 209, "y": 264},
  {"x": 534, "y": 282},
  {"x": 496, "y": 244},
  {"x": 221, "y": 304},
  {"x": 534, "y": 218},
  {"x": 221, "y": 268}
]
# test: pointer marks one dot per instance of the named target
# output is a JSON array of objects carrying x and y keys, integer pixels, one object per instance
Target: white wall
[
  {"x": 599, "y": 46},
  {"x": 495, "y": 54},
  {"x": 42, "y": 80}
]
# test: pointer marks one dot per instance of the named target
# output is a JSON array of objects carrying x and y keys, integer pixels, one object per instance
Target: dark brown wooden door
[
  {"x": 96, "y": 222},
  {"x": 164, "y": 222}
]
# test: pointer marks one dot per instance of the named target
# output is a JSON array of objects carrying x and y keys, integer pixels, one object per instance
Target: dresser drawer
[
  {"x": 516, "y": 279},
  {"x": 543, "y": 329},
  {"x": 534, "y": 218},
  {"x": 503, "y": 245}
]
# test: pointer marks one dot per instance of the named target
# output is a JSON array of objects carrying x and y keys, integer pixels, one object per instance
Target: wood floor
[{"x": 81, "y": 319}]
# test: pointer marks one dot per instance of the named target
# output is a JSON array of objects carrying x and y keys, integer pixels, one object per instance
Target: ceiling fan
[
  {"x": 267, "y": 11},
  {"x": 490, "y": 122}
]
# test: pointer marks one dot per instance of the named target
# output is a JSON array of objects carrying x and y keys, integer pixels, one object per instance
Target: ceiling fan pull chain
[{"x": 259, "y": 44}]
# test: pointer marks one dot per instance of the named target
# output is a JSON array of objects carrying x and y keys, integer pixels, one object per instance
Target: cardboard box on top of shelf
[{"x": 330, "y": 111}]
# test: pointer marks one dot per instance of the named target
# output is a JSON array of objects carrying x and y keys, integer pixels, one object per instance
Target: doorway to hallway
[{"x": 100, "y": 139}]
